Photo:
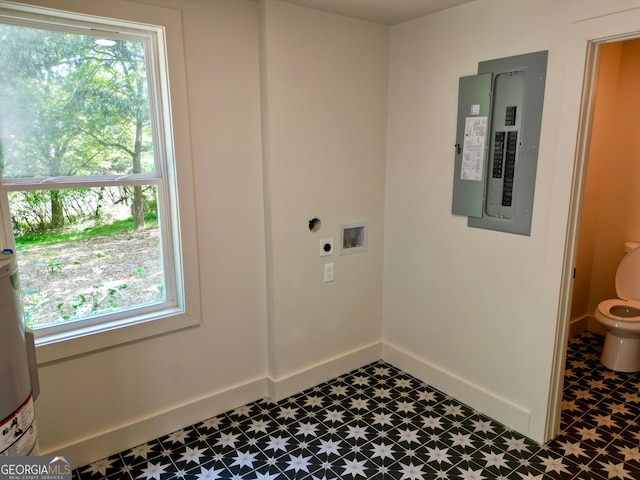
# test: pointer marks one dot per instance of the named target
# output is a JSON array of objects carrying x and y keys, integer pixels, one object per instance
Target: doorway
[
  {"x": 610, "y": 198},
  {"x": 593, "y": 36}
]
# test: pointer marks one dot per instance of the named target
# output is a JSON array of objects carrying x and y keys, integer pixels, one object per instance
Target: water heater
[{"x": 18, "y": 370}]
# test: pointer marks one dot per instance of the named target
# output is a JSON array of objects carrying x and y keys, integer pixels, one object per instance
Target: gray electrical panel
[{"x": 499, "y": 117}]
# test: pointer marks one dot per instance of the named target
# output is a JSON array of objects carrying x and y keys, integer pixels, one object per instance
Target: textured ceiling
[{"x": 386, "y": 12}]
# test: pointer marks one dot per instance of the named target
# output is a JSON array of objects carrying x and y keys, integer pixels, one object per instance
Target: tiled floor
[{"x": 380, "y": 423}]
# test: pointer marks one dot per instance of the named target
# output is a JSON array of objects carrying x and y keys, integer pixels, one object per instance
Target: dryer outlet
[{"x": 326, "y": 247}]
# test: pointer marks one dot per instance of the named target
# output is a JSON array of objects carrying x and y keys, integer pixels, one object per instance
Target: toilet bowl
[{"x": 621, "y": 316}]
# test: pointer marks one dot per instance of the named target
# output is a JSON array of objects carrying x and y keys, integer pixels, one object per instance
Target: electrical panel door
[
  {"x": 474, "y": 105},
  {"x": 516, "y": 90}
]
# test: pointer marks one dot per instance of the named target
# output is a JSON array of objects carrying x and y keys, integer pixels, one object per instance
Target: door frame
[{"x": 583, "y": 52}]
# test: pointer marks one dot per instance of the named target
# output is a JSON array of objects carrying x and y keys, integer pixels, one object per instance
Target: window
[{"x": 87, "y": 184}]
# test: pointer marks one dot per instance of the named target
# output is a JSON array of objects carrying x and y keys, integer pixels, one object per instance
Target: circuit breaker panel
[{"x": 499, "y": 117}]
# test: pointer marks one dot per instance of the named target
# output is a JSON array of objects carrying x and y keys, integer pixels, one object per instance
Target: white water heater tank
[{"x": 18, "y": 369}]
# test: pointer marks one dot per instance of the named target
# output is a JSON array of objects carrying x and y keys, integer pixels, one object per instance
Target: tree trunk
[
  {"x": 98, "y": 212},
  {"x": 57, "y": 212},
  {"x": 137, "y": 206}
]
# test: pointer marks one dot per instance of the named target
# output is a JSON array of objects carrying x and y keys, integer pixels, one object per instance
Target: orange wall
[{"x": 611, "y": 197}]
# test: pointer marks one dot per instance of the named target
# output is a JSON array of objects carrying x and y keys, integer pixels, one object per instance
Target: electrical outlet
[
  {"x": 329, "y": 271},
  {"x": 326, "y": 247}
]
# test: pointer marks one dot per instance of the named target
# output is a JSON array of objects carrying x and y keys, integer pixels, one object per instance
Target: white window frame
[{"x": 181, "y": 308}]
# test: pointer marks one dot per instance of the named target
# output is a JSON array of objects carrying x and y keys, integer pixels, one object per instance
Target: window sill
[{"x": 59, "y": 346}]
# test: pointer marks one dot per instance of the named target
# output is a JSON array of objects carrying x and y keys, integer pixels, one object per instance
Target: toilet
[{"x": 621, "y": 316}]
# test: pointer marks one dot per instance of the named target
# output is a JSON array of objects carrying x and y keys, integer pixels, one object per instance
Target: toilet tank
[{"x": 629, "y": 246}]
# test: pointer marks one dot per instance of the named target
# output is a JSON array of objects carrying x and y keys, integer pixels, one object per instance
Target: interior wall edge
[
  {"x": 594, "y": 326},
  {"x": 578, "y": 325},
  {"x": 280, "y": 388}
]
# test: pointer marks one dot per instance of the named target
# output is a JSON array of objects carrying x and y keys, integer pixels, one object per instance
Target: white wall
[
  {"x": 473, "y": 311},
  {"x": 324, "y": 104}
]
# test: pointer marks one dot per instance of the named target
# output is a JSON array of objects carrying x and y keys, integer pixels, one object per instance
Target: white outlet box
[{"x": 353, "y": 237}]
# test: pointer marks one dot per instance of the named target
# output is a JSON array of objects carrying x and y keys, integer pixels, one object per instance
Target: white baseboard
[
  {"x": 578, "y": 325},
  {"x": 138, "y": 431},
  {"x": 300, "y": 380},
  {"x": 103, "y": 444},
  {"x": 476, "y": 397}
]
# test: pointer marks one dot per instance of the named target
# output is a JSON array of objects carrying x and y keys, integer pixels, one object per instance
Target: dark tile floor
[{"x": 380, "y": 423}]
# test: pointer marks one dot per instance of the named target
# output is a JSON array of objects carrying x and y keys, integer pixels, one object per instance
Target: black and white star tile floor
[{"x": 380, "y": 423}]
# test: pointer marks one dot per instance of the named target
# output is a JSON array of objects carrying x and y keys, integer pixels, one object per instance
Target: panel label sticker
[{"x": 475, "y": 134}]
